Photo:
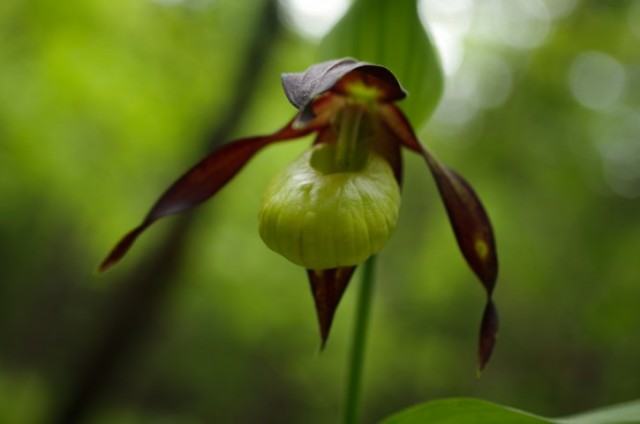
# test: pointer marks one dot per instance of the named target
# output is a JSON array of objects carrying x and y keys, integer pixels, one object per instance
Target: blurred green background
[{"x": 104, "y": 103}]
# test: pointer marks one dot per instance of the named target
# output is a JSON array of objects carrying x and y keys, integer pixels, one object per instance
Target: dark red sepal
[
  {"x": 468, "y": 218},
  {"x": 201, "y": 182},
  {"x": 488, "y": 334},
  {"x": 327, "y": 287},
  {"x": 470, "y": 222}
]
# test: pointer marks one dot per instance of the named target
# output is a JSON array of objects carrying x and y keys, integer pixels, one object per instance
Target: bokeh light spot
[
  {"x": 633, "y": 19},
  {"x": 619, "y": 147},
  {"x": 311, "y": 18},
  {"x": 493, "y": 77},
  {"x": 522, "y": 24},
  {"x": 597, "y": 80},
  {"x": 560, "y": 8},
  {"x": 448, "y": 22}
]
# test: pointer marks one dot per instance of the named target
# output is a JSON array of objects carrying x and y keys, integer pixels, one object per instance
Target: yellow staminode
[{"x": 363, "y": 93}]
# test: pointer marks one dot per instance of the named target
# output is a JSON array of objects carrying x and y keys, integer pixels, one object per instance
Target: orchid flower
[{"x": 338, "y": 203}]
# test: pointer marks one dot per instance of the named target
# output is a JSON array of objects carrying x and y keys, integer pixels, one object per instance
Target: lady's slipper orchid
[{"x": 338, "y": 203}]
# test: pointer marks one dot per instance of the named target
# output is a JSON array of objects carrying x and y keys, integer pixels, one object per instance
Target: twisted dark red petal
[
  {"x": 201, "y": 182},
  {"x": 327, "y": 287},
  {"x": 488, "y": 334},
  {"x": 469, "y": 220}
]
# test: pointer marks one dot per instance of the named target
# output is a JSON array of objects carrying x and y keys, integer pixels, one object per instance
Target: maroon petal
[
  {"x": 201, "y": 182},
  {"x": 488, "y": 334},
  {"x": 386, "y": 146},
  {"x": 394, "y": 158},
  {"x": 327, "y": 287},
  {"x": 470, "y": 222},
  {"x": 468, "y": 218}
]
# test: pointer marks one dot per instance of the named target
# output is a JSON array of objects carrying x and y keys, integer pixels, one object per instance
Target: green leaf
[
  {"x": 624, "y": 413},
  {"x": 465, "y": 411},
  {"x": 390, "y": 33}
]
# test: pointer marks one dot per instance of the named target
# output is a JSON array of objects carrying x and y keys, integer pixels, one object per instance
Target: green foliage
[
  {"x": 465, "y": 411},
  {"x": 390, "y": 33}
]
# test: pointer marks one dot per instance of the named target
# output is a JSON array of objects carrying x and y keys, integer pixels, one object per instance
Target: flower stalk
[{"x": 355, "y": 368}]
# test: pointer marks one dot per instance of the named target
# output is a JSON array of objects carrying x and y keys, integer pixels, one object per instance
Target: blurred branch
[{"x": 137, "y": 300}]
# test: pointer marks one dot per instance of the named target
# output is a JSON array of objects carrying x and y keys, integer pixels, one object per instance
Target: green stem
[{"x": 356, "y": 357}]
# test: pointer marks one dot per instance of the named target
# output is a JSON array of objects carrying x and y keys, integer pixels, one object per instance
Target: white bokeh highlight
[
  {"x": 313, "y": 18},
  {"x": 597, "y": 80}
]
